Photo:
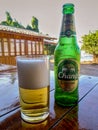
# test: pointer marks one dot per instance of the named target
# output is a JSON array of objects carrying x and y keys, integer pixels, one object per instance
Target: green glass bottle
[{"x": 67, "y": 61}]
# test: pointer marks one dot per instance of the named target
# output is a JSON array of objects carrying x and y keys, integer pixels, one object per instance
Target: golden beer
[
  {"x": 33, "y": 75},
  {"x": 34, "y": 102}
]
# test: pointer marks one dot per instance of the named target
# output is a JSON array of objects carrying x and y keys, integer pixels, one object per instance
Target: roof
[
  {"x": 50, "y": 41},
  {"x": 19, "y": 31}
]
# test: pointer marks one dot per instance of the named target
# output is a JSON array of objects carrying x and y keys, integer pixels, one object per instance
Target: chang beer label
[
  {"x": 68, "y": 75},
  {"x": 68, "y": 28}
]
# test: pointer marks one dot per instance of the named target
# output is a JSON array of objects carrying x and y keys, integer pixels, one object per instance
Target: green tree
[
  {"x": 34, "y": 23},
  {"x": 8, "y": 21},
  {"x": 29, "y": 27},
  {"x": 16, "y": 24},
  {"x": 49, "y": 49},
  {"x": 90, "y": 44},
  {"x": 4, "y": 23}
]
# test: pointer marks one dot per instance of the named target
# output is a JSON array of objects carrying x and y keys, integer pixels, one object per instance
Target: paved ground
[
  {"x": 85, "y": 69},
  {"x": 89, "y": 69}
]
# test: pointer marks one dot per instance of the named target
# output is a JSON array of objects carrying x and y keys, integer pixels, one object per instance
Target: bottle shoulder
[
  {"x": 67, "y": 46},
  {"x": 67, "y": 42},
  {"x": 65, "y": 51}
]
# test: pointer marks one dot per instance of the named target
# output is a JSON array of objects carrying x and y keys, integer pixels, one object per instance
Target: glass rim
[{"x": 33, "y": 57}]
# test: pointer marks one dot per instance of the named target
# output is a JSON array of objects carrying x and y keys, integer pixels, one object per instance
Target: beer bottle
[{"x": 67, "y": 60}]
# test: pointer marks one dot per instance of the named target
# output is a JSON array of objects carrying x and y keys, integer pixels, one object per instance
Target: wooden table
[
  {"x": 84, "y": 116},
  {"x": 4, "y": 67}
]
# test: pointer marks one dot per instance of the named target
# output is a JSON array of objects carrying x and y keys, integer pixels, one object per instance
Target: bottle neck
[{"x": 68, "y": 26}]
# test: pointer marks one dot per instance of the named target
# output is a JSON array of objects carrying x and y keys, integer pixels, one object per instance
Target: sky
[{"x": 49, "y": 14}]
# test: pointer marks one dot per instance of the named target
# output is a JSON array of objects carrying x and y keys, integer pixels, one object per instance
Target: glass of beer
[{"x": 34, "y": 81}]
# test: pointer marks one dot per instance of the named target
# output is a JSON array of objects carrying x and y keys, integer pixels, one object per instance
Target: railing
[
  {"x": 13, "y": 43},
  {"x": 10, "y": 48}
]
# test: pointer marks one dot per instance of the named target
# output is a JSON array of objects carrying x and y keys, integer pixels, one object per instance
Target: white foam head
[{"x": 33, "y": 74}]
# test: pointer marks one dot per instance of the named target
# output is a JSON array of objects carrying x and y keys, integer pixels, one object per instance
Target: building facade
[{"x": 16, "y": 42}]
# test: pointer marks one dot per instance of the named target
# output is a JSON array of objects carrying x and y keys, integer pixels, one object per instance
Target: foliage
[
  {"x": 17, "y": 24},
  {"x": 14, "y": 23},
  {"x": 90, "y": 44},
  {"x": 4, "y": 23},
  {"x": 10, "y": 22},
  {"x": 34, "y": 23},
  {"x": 9, "y": 19},
  {"x": 29, "y": 27},
  {"x": 49, "y": 49}
]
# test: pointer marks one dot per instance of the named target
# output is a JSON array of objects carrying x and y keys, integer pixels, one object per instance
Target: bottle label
[
  {"x": 68, "y": 75},
  {"x": 68, "y": 28}
]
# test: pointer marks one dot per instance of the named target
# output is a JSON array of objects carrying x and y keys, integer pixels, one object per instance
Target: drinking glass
[{"x": 33, "y": 78}]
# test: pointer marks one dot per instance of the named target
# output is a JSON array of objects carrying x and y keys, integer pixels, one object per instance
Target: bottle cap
[{"x": 68, "y": 8}]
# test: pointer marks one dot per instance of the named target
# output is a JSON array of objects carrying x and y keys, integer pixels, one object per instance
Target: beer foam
[{"x": 33, "y": 74}]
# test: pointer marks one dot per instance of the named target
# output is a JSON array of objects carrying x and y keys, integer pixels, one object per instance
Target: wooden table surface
[{"x": 84, "y": 116}]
